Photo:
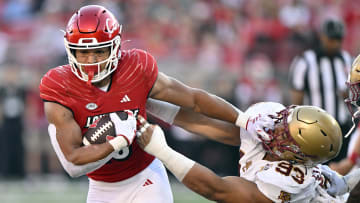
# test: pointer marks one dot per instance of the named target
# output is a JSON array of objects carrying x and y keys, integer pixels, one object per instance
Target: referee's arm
[{"x": 297, "y": 80}]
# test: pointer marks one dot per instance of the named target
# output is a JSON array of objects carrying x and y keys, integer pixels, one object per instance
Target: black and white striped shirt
[{"x": 322, "y": 78}]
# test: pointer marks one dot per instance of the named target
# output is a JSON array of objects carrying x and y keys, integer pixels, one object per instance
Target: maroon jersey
[{"x": 130, "y": 86}]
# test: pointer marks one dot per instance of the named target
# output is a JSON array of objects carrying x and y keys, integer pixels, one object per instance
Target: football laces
[{"x": 102, "y": 129}]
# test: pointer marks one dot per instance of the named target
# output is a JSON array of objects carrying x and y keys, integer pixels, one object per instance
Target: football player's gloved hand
[
  {"x": 125, "y": 129},
  {"x": 259, "y": 125},
  {"x": 338, "y": 183}
]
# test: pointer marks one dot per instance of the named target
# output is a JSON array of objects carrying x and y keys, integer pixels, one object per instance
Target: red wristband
[
  {"x": 247, "y": 122},
  {"x": 354, "y": 158}
]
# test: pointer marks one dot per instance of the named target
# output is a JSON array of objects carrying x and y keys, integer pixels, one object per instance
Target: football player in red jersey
[{"x": 100, "y": 79}]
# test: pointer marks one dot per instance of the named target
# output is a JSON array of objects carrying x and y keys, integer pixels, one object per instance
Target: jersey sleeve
[
  {"x": 150, "y": 68},
  {"x": 52, "y": 90}
]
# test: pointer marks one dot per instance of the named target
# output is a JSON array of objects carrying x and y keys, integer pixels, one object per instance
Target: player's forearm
[
  {"x": 214, "y": 129},
  {"x": 90, "y": 153},
  {"x": 70, "y": 168},
  {"x": 79, "y": 170},
  {"x": 214, "y": 106},
  {"x": 195, "y": 176},
  {"x": 204, "y": 182},
  {"x": 197, "y": 123}
]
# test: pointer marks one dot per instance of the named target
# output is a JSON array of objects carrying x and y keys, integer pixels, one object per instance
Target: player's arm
[
  {"x": 221, "y": 189},
  {"x": 214, "y": 129},
  {"x": 197, "y": 123},
  {"x": 72, "y": 169},
  {"x": 171, "y": 90},
  {"x": 195, "y": 176},
  {"x": 345, "y": 165},
  {"x": 227, "y": 189},
  {"x": 69, "y": 137}
]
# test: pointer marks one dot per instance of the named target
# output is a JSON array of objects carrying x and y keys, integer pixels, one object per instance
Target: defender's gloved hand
[
  {"x": 338, "y": 183},
  {"x": 258, "y": 125}
]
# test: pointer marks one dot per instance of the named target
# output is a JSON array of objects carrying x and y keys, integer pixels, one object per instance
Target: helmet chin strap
[
  {"x": 90, "y": 77},
  {"x": 90, "y": 72}
]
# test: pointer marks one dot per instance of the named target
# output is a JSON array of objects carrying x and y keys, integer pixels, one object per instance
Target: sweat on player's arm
[{"x": 195, "y": 176}]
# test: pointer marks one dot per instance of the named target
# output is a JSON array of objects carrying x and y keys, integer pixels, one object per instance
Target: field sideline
[{"x": 57, "y": 189}]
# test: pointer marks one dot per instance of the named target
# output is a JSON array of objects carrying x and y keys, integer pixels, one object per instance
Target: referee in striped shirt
[{"x": 317, "y": 77}]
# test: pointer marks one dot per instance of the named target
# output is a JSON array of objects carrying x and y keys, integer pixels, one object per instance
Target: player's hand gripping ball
[{"x": 100, "y": 131}]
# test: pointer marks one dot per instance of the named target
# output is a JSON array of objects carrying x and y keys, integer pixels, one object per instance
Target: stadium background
[{"x": 240, "y": 50}]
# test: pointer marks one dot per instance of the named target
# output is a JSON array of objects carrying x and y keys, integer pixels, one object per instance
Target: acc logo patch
[
  {"x": 284, "y": 196},
  {"x": 91, "y": 106}
]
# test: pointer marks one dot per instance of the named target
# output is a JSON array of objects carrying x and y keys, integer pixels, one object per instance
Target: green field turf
[{"x": 54, "y": 189}]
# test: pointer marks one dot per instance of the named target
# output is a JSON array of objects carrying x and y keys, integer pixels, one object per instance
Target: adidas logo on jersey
[
  {"x": 125, "y": 99},
  {"x": 147, "y": 182}
]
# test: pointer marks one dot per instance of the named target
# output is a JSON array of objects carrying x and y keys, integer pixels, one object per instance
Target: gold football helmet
[{"x": 307, "y": 135}]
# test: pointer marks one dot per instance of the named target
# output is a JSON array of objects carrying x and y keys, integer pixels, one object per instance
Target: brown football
[{"x": 99, "y": 130}]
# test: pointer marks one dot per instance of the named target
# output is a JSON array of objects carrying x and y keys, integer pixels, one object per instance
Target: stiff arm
[
  {"x": 220, "y": 131},
  {"x": 195, "y": 176}
]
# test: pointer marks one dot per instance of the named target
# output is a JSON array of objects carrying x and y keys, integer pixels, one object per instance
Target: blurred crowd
[{"x": 240, "y": 50}]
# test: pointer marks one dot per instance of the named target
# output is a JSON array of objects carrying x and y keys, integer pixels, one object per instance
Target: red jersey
[{"x": 129, "y": 89}]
